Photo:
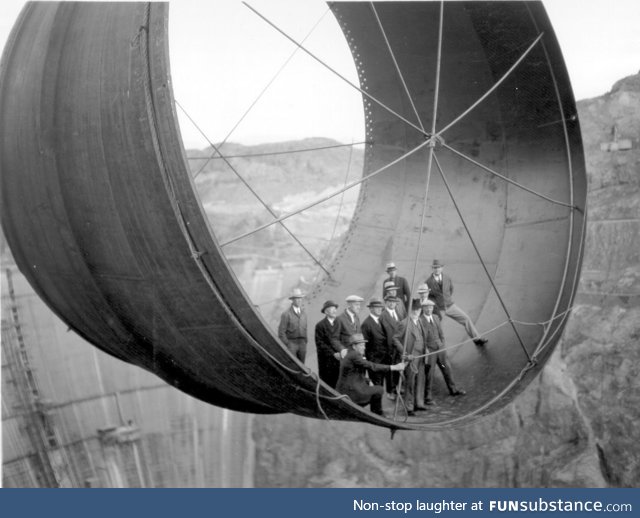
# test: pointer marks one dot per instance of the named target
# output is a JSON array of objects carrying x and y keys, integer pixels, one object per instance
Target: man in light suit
[
  {"x": 441, "y": 291},
  {"x": 293, "y": 326},
  {"x": 350, "y": 319},
  {"x": 435, "y": 345}
]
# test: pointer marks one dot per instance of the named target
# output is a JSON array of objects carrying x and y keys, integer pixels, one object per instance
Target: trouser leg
[
  {"x": 463, "y": 319},
  {"x": 447, "y": 374},
  {"x": 428, "y": 381},
  {"x": 376, "y": 400}
]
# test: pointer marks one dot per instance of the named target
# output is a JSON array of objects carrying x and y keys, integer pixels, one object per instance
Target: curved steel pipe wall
[{"x": 102, "y": 216}]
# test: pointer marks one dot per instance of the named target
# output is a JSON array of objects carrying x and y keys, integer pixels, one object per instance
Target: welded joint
[{"x": 434, "y": 141}]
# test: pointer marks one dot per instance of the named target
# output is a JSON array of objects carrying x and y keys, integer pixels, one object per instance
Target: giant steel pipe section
[{"x": 102, "y": 216}]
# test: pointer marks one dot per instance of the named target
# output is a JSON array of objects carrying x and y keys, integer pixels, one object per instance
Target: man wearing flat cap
[
  {"x": 353, "y": 381},
  {"x": 328, "y": 346},
  {"x": 350, "y": 319},
  {"x": 293, "y": 326},
  {"x": 438, "y": 355},
  {"x": 441, "y": 293},
  {"x": 378, "y": 335},
  {"x": 402, "y": 286}
]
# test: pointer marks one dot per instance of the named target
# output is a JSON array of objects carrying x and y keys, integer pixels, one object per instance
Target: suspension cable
[
  {"x": 363, "y": 92},
  {"x": 431, "y": 143},
  {"x": 506, "y": 179},
  {"x": 328, "y": 197},
  {"x": 395, "y": 62},
  {"x": 275, "y": 153},
  {"x": 484, "y": 266},
  {"x": 495, "y": 85},
  {"x": 255, "y": 101}
]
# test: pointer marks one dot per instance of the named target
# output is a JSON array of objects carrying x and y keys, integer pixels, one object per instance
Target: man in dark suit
[
  {"x": 391, "y": 320},
  {"x": 435, "y": 345},
  {"x": 441, "y": 292},
  {"x": 402, "y": 286},
  {"x": 391, "y": 289},
  {"x": 350, "y": 319},
  {"x": 376, "y": 332},
  {"x": 411, "y": 337},
  {"x": 328, "y": 346},
  {"x": 293, "y": 326},
  {"x": 353, "y": 381}
]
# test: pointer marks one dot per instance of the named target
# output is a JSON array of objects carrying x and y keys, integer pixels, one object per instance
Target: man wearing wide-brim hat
[
  {"x": 293, "y": 326},
  {"x": 441, "y": 293},
  {"x": 350, "y": 318},
  {"x": 435, "y": 345},
  {"x": 403, "y": 291},
  {"x": 328, "y": 346},
  {"x": 353, "y": 381}
]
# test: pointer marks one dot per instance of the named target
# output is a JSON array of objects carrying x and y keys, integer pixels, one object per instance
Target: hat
[
  {"x": 357, "y": 339},
  {"x": 296, "y": 294},
  {"x": 390, "y": 297},
  {"x": 375, "y": 302},
  {"x": 423, "y": 288},
  {"x": 354, "y": 298},
  {"x": 415, "y": 304},
  {"x": 391, "y": 266},
  {"x": 328, "y": 304},
  {"x": 428, "y": 302},
  {"x": 436, "y": 264},
  {"x": 389, "y": 285}
]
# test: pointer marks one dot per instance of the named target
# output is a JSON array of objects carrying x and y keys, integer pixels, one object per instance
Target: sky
[{"x": 223, "y": 56}]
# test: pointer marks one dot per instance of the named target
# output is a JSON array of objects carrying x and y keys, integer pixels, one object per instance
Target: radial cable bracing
[
  {"x": 395, "y": 63},
  {"x": 275, "y": 153},
  {"x": 326, "y": 198},
  {"x": 495, "y": 85},
  {"x": 266, "y": 206},
  {"x": 431, "y": 143},
  {"x": 255, "y": 101},
  {"x": 506, "y": 179},
  {"x": 331, "y": 69},
  {"x": 484, "y": 266}
]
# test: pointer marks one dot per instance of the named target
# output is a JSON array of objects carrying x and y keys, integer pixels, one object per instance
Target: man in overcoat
[{"x": 328, "y": 346}]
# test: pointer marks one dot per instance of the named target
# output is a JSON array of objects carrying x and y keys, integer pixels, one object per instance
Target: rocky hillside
[{"x": 576, "y": 425}]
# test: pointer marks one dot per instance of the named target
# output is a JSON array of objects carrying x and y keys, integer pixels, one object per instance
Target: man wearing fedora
[
  {"x": 391, "y": 320},
  {"x": 378, "y": 334},
  {"x": 328, "y": 346},
  {"x": 353, "y": 370},
  {"x": 441, "y": 291},
  {"x": 350, "y": 319},
  {"x": 435, "y": 345},
  {"x": 390, "y": 289},
  {"x": 402, "y": 286},
  {"x": 293, "y": 326},
  {"x": 411, "y": 339}
]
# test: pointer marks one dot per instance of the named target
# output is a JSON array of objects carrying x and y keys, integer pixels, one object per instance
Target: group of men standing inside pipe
[{"x": 364, "y": 359}]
